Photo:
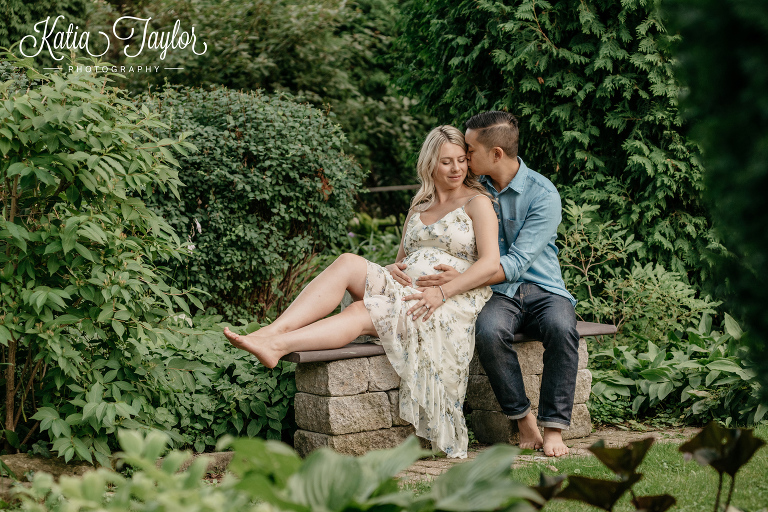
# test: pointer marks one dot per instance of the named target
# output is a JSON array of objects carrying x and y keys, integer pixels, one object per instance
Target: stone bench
[{"x": 347, "y": 398}]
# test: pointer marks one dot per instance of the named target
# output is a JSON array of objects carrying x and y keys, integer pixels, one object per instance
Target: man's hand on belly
[
  {"x": 396, "y": 270},
  {"x": 447, "y": 275}
]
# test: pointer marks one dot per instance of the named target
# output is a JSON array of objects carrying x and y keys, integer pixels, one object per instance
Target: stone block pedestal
[
  {"x": 491, "y": 426},
  {"x": 348, "y": 398},
  {"x": 349, "y": 405}
]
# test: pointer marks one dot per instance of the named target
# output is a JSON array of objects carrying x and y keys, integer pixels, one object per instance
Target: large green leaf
[
  {"x": 380, "y": 466},
  {"x": 732, "y": 327},
  {"x": 326, "y": 482},
  {"x": 483, "y": 483}
]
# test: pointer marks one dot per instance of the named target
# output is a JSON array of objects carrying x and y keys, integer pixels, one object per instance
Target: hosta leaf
[
  {"x": 732, "y": 327},
  {"x": 622, "y": 461},
  {"x": 476, "y": 485}
]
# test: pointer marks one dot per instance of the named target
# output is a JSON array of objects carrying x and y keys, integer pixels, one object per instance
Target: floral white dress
[{"x": 432, "y": 357}]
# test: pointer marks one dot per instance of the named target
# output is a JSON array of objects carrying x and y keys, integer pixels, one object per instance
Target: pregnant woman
[{"x": 428, "y": 333}]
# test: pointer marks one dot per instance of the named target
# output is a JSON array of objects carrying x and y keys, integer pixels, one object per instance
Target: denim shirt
[{"x": 529, "y": 212}]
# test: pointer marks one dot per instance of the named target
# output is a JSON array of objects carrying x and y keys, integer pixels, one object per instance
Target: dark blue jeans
[{"x": 547, "y": 317}]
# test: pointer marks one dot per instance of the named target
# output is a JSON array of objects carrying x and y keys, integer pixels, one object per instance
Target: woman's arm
[
  {"x": 396, "y": 268},
  {"x": 486, "y": 227}
]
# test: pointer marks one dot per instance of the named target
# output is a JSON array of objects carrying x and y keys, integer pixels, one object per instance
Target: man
[{"x": 528, "y": 290}]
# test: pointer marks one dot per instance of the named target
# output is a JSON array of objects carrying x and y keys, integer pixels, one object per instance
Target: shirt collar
[{"x": 517, "y": 184}]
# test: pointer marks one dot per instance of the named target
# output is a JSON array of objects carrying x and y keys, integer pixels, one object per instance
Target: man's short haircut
[{"x": 496, "y": 129}]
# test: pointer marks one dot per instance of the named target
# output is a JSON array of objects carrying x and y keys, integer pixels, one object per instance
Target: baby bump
[{"x": 423, "y": 262}]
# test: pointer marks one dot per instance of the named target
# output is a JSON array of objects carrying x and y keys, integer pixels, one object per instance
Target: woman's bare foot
[
  {"x": 267, "y": 330},
  {"x": 259, "y": 346},
  {"x": 553, "y": 443},
  {"x": 530, "y": 437}
]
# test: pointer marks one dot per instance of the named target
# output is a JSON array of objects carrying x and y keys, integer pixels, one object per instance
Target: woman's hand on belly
[{"x": 427, "y": 301}]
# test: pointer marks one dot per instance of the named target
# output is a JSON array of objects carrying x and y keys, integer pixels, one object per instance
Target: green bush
[
  {"x": 269, "y": 476},
  {"x": 594, "y": 87},
  {"x": 200, "y": 389},
  {"x": 269, "y": 188},
  {"x": 80, "y": 294},
  {"x": 99, "y": 337},
  {"x": 221, "y": 389},
  {"x": 601, "y": 269},
  {"x": 698, "y": 379},
  {"x": 334, "y": 55},
  {"x": 729, "y": 116}
]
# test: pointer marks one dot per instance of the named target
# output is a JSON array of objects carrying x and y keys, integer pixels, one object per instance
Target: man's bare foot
[
  {"x": 259, "y": 346},
  {"x": 553, "y": 443},
  {"x": 530, "y": 437}
]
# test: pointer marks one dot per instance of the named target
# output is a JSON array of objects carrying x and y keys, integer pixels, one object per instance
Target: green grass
[
  {"x": 417, "y": 487},
  {"x": 664, "y": 472}
]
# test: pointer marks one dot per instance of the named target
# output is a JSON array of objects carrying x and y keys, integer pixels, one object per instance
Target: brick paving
[{"x": 428, "y": 469}]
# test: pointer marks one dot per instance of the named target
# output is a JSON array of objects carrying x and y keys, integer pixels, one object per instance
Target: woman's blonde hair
[{"x": 428, "y": 157}]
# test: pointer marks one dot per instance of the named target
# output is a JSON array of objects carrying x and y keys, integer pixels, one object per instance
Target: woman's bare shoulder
[{"x": 479, "y": 203}]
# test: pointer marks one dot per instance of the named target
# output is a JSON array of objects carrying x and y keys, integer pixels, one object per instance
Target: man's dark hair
[{"x": 496, "y": 129}]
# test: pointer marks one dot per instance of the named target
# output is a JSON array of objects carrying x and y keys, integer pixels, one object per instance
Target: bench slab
[{"x": 354, "y": 350}]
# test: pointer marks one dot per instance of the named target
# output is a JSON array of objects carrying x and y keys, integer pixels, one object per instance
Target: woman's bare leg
[
  {"x": 321, "y": 296},
  {"x": 328, "y": 333}
]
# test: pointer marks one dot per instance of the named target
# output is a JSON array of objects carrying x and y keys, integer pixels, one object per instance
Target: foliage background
[
  {"x": 334, "y": 55},
  {"x": 595, "y": 89},
  {"x": 94, "y": 334},
  {"x": 19, "y": 18},
  {"x": 80, "y": 286},
  {"x": 728, "y": 109}
]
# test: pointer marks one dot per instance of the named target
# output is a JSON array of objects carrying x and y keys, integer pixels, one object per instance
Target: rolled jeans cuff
[
  {"x": 553, "y": 424},
  {"x": 520, "y": 415}
]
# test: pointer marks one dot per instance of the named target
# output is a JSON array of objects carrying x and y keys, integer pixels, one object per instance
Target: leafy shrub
[
  {"x": 334, "y": 55},
  {"x": 194, "y": 386},
  {"x": 223, "y": 390},
  {"x": 269, "y": 476},
  {"x": 270, "y": 187},
  {"x": 80, "y": 294},
  {"x": 277, "y": 479},
  {"x": 729, "y": 117},
  {"x": 600, "y": 269},
  {"x": 698, "y": 379},
  {"x": 594, "y": 86}
]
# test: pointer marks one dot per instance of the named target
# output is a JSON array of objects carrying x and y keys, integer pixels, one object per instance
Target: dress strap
[{"x": 471, "y": 198}]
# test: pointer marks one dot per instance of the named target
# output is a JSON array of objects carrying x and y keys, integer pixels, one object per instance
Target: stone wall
[
  {"x": 350, "y": 405},
  {"x": 490, "y": 425}
]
